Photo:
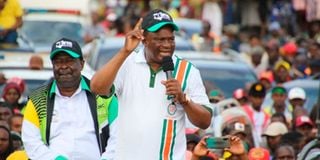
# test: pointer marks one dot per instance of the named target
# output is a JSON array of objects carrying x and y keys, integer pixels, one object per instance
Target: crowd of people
[{"x": 130, "y": 109}]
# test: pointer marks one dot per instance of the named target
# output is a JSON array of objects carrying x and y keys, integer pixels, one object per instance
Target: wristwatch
[{"x": 186, "y": 100}]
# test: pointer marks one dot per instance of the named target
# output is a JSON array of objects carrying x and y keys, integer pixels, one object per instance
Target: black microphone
[{"x": 167, "y": 66}]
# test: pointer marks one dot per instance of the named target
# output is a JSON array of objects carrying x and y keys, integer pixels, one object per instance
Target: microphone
[{"x": 167, "y": 66}]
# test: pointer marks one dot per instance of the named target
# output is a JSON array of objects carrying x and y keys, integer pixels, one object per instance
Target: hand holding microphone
[{"x": 173, "y": 86}]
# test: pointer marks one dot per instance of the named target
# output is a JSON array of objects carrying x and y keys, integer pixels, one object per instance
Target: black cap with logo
[
  {"x": 156, "y": 19},
  {"x": 67, "y": 46},
  {"x": 257, "y": 90}
]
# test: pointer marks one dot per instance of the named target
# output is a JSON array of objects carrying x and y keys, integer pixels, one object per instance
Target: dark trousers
[{"x": 10, "y": 37}]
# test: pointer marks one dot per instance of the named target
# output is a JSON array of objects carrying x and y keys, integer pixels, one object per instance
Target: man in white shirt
[
  {"x": 64, "y": 120},
  {"x": 151, "y": 125}
]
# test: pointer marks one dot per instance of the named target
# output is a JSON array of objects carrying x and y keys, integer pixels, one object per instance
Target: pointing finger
[{"x": 138, "y": 25}]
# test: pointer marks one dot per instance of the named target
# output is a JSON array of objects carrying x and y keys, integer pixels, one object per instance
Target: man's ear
[{"x": 82, "y": 63}]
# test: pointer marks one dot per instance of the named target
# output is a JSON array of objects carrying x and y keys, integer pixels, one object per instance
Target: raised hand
[
  {"x": 201, "y": 148},
  {"x": 236, "y": 146},
  {"x": 134, "y": 37}
]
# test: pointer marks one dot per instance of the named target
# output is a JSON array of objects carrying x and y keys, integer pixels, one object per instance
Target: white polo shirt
[{"x": 146, "y": 128}]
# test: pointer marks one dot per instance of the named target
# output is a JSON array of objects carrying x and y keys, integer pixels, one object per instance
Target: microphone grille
[{"x": 167, "y": 64}]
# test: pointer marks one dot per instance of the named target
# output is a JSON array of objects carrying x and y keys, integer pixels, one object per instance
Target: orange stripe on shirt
[
  {"x": 181, "y": 71},
  {"x": 168, "y": 140}
]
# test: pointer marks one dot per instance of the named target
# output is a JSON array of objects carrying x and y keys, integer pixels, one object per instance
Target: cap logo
[
  {"x": 258, "y": 87},
  {"x": 305, "y": 119},
  {"x": 63, "y": 43},
  {"x": 160, "y": 15},
  {"x": 239, "y": 126}
]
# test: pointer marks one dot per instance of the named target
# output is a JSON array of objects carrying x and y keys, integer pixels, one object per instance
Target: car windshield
[
  {"x": 227, "y": 79},
  {"x": 51, "y": 31}
]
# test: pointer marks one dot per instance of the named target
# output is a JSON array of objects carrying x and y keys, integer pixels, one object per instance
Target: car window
[
  {"x": 51, "y": 31},
  {"x": 104, "y": 55},
  {"x": 227, "y": 79}
]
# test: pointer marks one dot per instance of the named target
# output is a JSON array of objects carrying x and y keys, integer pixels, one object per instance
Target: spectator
[
  {"x": 304, "y": 125},
  {"x": 258, "y": 59},
  {"x": 15, "y": 122},
  {"x": 192, "y": 141},
  {"x": 215, "y": 96},
  {"x": 212, "y": 13},
  {"x": 289, "y": 51},
  {"x": 294, "y": 139},
  {"x": 273, "y": 133},
  {"x": 204, "y": 41},
  {"x": 95, "y": 29},
  {"x": 313, "y": 50},
  {"x": 75, "y": 118},
  {"x": 151, "y": 100},
  {"x": 10, "y": 20},
  {"x": 241, "y": 130},
  {"x": 282, "y": 72},
  {"x": 272, "y": 48},
  {"x": 20, "y": 82},
  {"x": 266, "y": 78},
  {"x": 297, "y": 97},
  {"x": 3, "y": 78},
  {"x": 285, "y": 151},
  {"x": 36, "y": 62},
  {"x": 279, "y": 117},
  {"x": 257, "y": 115},
  {"x": 5, "y": 112},
  {"x": 16, "y": 141},
  {"x": 314, "y": 66},
  {"x": 6, "y": 147},
  {"x": 236, "y": 150},
  {"x": 279, "y": 96},
  {"x": 11, "y": 95},
  {"x": 241, "y": 96},
  {"x": 4, "y": 123}
]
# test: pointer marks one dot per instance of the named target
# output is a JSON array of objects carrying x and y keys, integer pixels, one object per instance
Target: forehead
[
  {"x": 16, "y": 119},
  {"x": 3, "y": 133},
  {"x": 284, "y": 150}
]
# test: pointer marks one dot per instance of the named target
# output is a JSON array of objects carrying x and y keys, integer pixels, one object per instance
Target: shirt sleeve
[
  {"x": 196, "y": 90},
  {"x": 18, "y": 9},
  {"x": 34, "y": 146}
]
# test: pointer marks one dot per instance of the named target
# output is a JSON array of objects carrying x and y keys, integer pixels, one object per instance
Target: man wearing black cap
[
  {"x": 145, "y": 109},
  {"x": 64, "y": 119},
  {"x": 257, "y": 115}
]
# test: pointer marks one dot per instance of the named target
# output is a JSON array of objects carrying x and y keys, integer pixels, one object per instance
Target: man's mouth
[{"x": 164, "y": 54}]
